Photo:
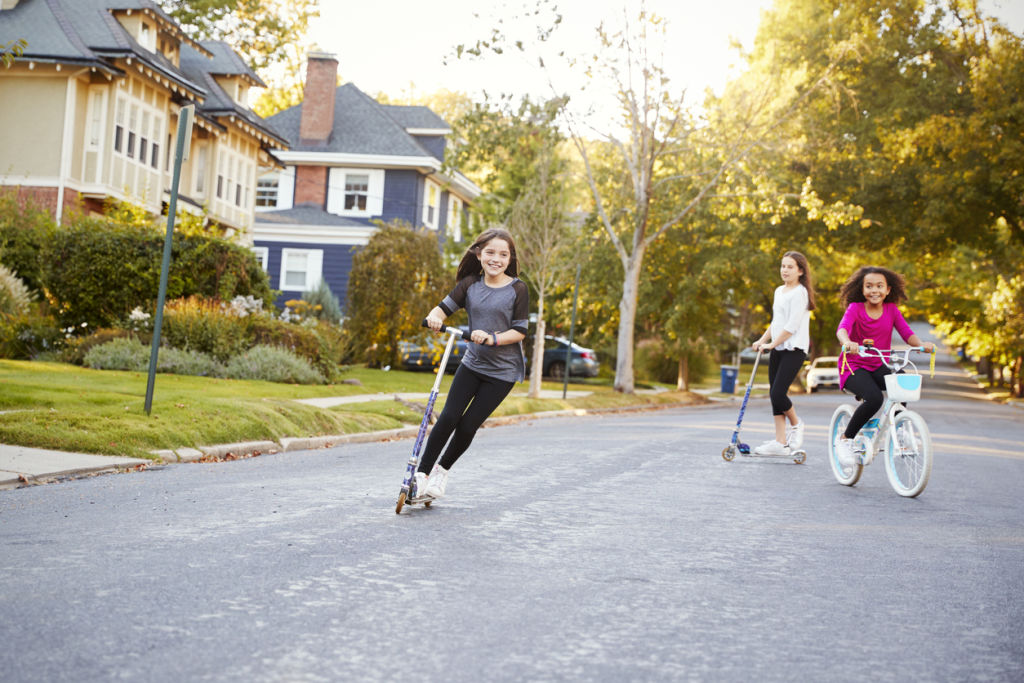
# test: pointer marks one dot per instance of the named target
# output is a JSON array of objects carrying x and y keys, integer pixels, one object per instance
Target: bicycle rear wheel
[
  {"x": 847, "y": 476},
  {"x": 908, "y": 458}
]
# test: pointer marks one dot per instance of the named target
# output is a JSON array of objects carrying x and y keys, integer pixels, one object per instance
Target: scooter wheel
[
  {"x": 728, "y": 453},
  {"x": 427, "y": 504},
  {"x": 401, "y": 503},
  {"x": 799, "y": 457}
]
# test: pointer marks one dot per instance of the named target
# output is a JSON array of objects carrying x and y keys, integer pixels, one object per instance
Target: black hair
[{"x": 853, "y": 289}]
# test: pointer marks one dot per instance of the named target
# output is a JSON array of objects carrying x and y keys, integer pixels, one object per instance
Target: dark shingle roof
[
  {"x": 361, "y": 126},
  {"x": 224, "y": 62},
  {"x": 308, "y": 215},
  {"x": 416, "y": 116}
]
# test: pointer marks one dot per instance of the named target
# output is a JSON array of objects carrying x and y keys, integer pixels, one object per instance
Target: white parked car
[{"x": 823, "y": 372}]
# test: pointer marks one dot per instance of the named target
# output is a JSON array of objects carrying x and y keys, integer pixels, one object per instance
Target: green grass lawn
[{"x": 66, "y": 407}]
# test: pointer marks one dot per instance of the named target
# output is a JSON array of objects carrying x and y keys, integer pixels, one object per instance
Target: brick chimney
[{"x": 318, "y": 98}]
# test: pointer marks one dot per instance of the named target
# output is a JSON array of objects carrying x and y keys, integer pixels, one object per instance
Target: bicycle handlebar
[
  {"x": 896, "y": 363},
  {"x": 449, "y": 329}
]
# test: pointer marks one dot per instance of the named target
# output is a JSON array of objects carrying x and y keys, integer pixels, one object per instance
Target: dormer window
[{"x": 147, "y": 37}]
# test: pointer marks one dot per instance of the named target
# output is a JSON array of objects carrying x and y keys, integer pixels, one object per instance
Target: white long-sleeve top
[{"x": 789, "y": 312}]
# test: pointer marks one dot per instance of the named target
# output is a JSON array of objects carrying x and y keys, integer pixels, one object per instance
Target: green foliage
[
  {"x": 204, "y": 325},
  {"x": 273, "y": 364},
  {"x": 26, "y": 335},
  {"x": 96, "y": 271},
  {"x": 14, "y": 295},
  {"x": 118, "y": 354},
  {"x": 396, "y": 279},
  {"x": 323, "y": 304},
  {"x": 25, "y": 229},
  {"x": 75, "y": 348},
  {"x": 11, "y": 51},
  {"x": 186, "y": 362}
]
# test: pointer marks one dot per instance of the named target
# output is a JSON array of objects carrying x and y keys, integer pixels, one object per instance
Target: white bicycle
[{"x": 903, "y": 434}]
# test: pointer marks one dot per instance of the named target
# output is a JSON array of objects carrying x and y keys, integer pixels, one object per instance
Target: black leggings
[
  {"x": 866, "y": 385},
  {"x": 471, "y": 399},
  {"x": 783, "y": 367}
]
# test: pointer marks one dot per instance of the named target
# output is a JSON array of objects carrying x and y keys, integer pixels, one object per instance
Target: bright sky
[{"x": 398, "y": 47}]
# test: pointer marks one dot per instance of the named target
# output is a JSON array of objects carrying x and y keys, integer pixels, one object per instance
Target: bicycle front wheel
[
  {"x": 847, "y": 476},
  {"x": 908, "y": 460}
]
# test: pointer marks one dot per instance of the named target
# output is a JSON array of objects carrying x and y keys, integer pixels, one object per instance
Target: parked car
[
  {"x": 424, "y": 353},
  {"x": 583, "y": 361},
  {"x": 822, "y": 372}
]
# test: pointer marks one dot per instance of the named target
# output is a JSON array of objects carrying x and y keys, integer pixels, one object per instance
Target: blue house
[{"x": 351, "y": 161}]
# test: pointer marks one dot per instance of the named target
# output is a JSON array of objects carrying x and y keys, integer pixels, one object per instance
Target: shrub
[
  {"x": 323, "y": 304},
  {"x": 181, "y": 362},
  {"x": 204, "y": 325},
  {"x": 75, "y": 348},
  {"x": 119, "y": 354},
  {"x": 25, "y": 228},
  {"x": 28, "y": 334},
  {"x": 98, "y": 270},
  {"x": 272, "y": 364},
  {"x": 654, "y": 362},
  {"x": 14, "y": 295}
]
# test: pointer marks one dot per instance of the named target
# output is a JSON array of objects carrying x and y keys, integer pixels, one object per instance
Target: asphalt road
[{"x": 601, "y": 548}]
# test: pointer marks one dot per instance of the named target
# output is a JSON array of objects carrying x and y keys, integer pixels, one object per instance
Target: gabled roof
[
  {"x": 86, "y": 32},
  {"x": 361, "y": 126},
  {"x": 223, "y": 61}
]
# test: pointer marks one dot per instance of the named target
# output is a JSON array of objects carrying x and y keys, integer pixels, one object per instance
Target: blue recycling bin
[{"x": 729, "y": 373}]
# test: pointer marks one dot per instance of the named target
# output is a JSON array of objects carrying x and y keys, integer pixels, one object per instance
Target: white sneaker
[
  {"x": 795, "y": 435},
  {"x": 420, "y": 486},
  {"x": 845, "y": 453},
  {"x": 438, "y": 480},
  {"x": 772, "y": 447}
]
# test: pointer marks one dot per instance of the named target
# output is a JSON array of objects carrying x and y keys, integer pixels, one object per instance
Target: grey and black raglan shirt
[{"x": 492, "y": 309}]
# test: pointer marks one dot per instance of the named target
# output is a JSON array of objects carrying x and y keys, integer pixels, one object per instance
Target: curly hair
[
  {"x": 853, "y": 289},
  {"x": 470, "y": 263}
]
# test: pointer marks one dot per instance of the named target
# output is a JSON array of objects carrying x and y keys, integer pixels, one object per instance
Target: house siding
[
  {"x": 403, "y": 196},
  {"x": 337, "y": 264},
  {"x": 35, "y": 151}
]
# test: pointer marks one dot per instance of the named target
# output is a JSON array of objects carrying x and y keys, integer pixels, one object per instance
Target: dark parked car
[
  {"x": 424, "y": 353},
  {"x": 583, "y": 361}
]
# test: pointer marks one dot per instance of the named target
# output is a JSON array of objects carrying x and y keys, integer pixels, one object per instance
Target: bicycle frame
[{"x": 897, "y": 361}]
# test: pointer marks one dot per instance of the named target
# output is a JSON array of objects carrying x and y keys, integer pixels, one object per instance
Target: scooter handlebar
[{"x": 449, "y": 329}]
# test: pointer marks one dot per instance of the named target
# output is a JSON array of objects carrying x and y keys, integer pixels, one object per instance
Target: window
[
  {"x": 133, "y": 123},
  {"x": 220, "y": 177},
  {"x": 154, "y": 159},
  {"x": 201, "y": 169},
  {"x": 357, "y": 186},
  {"x": 119, "y": 126},
  {"x": 301, "y": 269},
  {"x": 455, "y": 218},
  {"x": 266, "y": 192},
  {"x": 430, "y": 205},
  {"x": 262, "y": 255},
  {"x": 350, "y": 191},
  {"x": 143, "y": 138},
  {"x": 95, "y": 118}
]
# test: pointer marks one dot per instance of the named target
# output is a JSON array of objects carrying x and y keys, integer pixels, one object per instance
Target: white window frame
[
  {"x": 336, "y": 191},
  {"x": 455, "y": 209},
  {"x": 313, "y": 272},
  {"x": 263, "y": 256},
  {"x": 202, "y": 152},
  {"x": 431, "y": 211}
]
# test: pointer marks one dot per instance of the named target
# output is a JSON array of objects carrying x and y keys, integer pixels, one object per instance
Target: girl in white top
[{"x": 789, "y": 335}]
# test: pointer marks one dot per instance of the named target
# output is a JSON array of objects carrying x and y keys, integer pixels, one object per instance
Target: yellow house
[{"x": 89, "y": 110}]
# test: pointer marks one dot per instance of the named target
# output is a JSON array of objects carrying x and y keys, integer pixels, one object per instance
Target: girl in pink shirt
[{"x": 871, "y": 295}]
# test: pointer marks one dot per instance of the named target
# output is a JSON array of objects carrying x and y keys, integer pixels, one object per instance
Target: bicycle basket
[{"x": 903, "y": 388}]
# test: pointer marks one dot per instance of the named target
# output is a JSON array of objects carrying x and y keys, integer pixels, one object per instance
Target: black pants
[
  {"x": 471, "y": 399},
  {"x": 783, "y": 366},
  {"x": 866, "y": 385}
]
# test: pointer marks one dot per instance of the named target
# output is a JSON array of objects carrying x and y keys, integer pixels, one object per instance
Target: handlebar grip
[{"x": 448, "y": 329}]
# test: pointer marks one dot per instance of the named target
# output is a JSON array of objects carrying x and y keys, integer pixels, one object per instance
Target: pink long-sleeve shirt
[{"x": 860, "y": 326}]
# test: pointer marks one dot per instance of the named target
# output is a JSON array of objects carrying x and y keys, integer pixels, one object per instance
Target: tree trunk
[
  {"x": 537, "y": 364},
  {"x": 624, "y": 380},
  {"x": 683, "y": 379},
  {"x": 1018, "y": 377}
]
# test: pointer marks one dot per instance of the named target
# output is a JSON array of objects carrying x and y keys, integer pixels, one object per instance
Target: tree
[
  {"x": 12, "y": 50},
  {"x": 540, "y": 223},
  {"x": 270, "y": 35},
  {"x": 394, "y": 282}
]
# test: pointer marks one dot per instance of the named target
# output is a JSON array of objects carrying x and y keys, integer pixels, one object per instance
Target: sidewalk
[{"x": 23, "y": 466}]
